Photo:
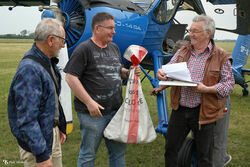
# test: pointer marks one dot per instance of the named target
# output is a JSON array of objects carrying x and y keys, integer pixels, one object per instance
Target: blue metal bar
[{"x": 162, "y": 104}]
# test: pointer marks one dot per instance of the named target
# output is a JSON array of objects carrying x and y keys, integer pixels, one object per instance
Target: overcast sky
[{"x": 21, "y": 18}]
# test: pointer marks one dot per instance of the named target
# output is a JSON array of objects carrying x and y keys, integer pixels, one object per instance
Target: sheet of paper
[
  {"x": 177, "y": 71},
  {"x": 178, "y": 83}
]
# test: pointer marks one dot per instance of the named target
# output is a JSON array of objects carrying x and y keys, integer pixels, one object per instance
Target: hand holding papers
[{"x": 180, "y": 73}]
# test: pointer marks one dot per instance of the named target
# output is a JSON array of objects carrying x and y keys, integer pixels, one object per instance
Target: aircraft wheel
[
  {"x": 187, "y": 156},
  {"x": 245, "y": 92}
]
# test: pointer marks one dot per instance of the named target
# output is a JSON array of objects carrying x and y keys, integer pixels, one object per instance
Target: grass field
[{"x": 137, "y": 155}]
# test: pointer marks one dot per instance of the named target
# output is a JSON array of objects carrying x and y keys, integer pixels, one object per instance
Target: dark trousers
[{"x": 181, "y": 122}]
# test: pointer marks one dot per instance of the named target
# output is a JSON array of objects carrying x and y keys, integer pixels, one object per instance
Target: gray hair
[
  {"x": 209, "y": 23},
  {"x": 46, "y": 27}
]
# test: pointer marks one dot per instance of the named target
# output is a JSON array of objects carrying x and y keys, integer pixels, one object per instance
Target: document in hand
[{"x": 180, "y": 73}]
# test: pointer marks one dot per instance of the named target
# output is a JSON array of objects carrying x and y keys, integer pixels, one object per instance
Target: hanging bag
[{"x": 132, "y": 122}]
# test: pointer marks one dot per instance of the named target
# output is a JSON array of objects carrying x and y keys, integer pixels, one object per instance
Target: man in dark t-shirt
[
  {"x": 94, "y": 73},
  {"x": 99, "y": 71}
]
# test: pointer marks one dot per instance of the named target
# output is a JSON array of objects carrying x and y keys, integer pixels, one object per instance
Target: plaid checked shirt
[{"x": 196, "y": 65}]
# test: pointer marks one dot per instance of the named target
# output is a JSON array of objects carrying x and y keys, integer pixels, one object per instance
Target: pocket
[
  {"x": 211, "y": 106},
  {"x": 214, "y": 76}
]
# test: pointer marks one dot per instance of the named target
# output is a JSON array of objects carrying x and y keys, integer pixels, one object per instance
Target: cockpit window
[
  {"x": 165, "y": 10},
  {"x": 144, "y": 4}
]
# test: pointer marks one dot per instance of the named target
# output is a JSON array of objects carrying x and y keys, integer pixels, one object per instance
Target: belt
[
  {"x": 183, "y": 108},
  {"x": 56, "y": 123}
]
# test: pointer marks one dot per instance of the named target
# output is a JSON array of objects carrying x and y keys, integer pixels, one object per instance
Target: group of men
[{"x": 94, "y": 73}]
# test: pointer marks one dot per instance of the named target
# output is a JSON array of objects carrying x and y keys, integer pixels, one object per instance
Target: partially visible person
[
  {"x": 220, "y": 155},
  {"x": 198, "y": 108},
  {"x": 35, "y": 115},
  {"x": 94, "y": 73},
  {"x": 178, "y": 45}
]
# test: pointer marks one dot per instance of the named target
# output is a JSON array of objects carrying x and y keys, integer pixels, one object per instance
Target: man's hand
[
  {"x": 62, "y": 137},
  {"x": 201, "y": 88},
  {"x": 94, "y": 109},
  {"x": 155, "y": 91},
  {"x": 47, "y": 163},
  {"x": 137, "y": 70},
  {"x": 161, "y": 75}
]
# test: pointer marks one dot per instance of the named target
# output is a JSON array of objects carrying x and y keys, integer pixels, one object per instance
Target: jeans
[
  {"x": 181, "y": 122},
  {"x": 92, "y": 129},
  {"x": 220, "y": 137}
]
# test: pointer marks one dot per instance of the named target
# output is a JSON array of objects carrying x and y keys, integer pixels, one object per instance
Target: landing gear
[
  {"x": 187, "y": 156},
  {"x": 245, "y": 91}
]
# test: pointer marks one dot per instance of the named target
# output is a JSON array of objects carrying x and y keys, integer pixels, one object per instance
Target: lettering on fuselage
[
  {"x": 128, "y": 25},
  {"x": 244, "y": 49}
]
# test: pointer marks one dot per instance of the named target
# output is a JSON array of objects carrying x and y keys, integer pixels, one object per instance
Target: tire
[
  {"x": 187, "y": 156},
  {"x": 245, "y": 92}
]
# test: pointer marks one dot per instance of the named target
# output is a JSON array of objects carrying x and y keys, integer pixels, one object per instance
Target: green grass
[{"x": 137, "y": 155}]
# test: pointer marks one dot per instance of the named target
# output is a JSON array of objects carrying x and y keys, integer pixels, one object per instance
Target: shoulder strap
[{"x": 46, "y": 67}]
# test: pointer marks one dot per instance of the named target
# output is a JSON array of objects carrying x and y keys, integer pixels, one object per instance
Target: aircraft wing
[
  {"x": 124, "y": 5},
  {"x": 24, "y": 2}
]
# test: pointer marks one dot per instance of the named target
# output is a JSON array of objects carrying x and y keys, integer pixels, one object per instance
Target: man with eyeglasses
[
  {"x": 35, "y": 115},
  {"x": 94, "y": 73},
  {"x": 198, "y": 108}
]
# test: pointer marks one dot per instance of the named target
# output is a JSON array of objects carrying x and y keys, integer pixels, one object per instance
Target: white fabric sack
[{"x": 132, "y": 122}]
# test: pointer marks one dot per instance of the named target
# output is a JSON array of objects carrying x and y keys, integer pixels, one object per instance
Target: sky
[
  {"x": 26, "y": 18},
  {"x": 20, "y": 18}
]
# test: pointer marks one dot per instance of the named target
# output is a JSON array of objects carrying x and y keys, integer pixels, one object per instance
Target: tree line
[{"x": 24, "y": 34}]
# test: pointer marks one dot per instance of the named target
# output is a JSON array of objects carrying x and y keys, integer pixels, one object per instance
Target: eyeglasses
[
  {"x": 63, "y": 39},
  {"x": 107, "y": 27},
  {"x": 195, "y": 31}
]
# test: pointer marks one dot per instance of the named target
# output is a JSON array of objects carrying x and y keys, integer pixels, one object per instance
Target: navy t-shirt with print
[{"x": 99, "y": 71}]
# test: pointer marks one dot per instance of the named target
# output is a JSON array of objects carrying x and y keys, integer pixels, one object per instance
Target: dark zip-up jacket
[{"x": 31, "y": 106}]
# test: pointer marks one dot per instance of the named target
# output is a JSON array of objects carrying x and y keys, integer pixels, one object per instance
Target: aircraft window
[
  {"x": 166, "y": 10},
  {"x": 144, "y": 4}
]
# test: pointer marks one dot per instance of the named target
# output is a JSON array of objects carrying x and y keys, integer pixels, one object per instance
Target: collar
[
  {"x": 95, "y": 43},
  {"x": 208, "y": 48},
  {"x": 42, "y": 56}
]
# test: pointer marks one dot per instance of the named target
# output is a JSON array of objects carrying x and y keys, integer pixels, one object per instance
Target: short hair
[
  {"x": 46, "y": 27},
  {"x": 209, "y": 23},
  {"x": 99, "y": 18}
]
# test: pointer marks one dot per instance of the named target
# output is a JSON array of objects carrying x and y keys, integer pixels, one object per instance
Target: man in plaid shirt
[{"x": 198, "y": 108}]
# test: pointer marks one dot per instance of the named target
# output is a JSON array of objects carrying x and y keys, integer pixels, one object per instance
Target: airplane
[
  {"x": 148, "y": 23},
  {"x": 240, "y": 55}
]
